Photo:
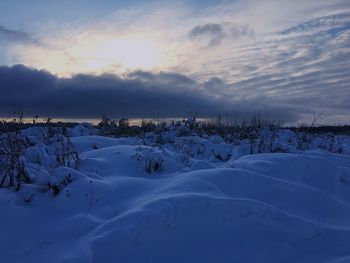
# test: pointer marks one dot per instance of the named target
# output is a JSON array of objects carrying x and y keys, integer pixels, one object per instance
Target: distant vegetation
[{"x": 122, "y": 127}]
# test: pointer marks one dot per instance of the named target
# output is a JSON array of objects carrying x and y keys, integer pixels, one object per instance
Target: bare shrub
[
  {"x": 66, "y": 155},
  {"x": 13, "y": 172}
]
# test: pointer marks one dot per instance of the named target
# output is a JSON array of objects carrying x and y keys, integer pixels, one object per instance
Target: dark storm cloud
[
  {"x": 15, "y": 35},
  {"x": 140, "y": 94},
  {"x": 39, "y": 92},
  {"x": 215, "y": 33}
]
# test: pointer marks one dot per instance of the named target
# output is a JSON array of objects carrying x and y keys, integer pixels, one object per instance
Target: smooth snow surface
[{"x": 222, "y": 206}]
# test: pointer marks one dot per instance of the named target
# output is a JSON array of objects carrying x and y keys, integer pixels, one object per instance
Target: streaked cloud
[{"x": 10, "y": 35}]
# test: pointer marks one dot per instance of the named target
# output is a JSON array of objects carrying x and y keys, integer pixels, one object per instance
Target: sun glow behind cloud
[
  {"x": 130, "y": 52},
  {"x": 150, "y": 41},
  {"x": 158, "y": 40},
  {"x": 96, "y": 53}
]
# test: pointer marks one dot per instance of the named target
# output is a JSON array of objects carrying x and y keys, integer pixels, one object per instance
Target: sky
[{"x": 80, "y": 59}]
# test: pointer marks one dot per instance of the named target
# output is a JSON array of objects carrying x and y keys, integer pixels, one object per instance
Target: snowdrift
[{"x": 193, "y": 199}]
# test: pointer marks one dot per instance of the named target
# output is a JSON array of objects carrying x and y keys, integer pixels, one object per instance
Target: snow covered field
[{"x": 189, "y": 198}]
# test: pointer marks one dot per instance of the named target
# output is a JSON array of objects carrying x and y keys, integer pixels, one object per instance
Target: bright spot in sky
[
  {"x": 98, "y": 54},
  {"x": 133, "y": 52}
]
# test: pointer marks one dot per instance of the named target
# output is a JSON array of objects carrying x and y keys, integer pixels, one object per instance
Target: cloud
[
  {"x": 39, "y": 92},
  {"x": 139, "y": 95},
  {"x": 215, "y": 33},
  {"x": 305, "y": 65},
  {"x": 91, "y": 48},
  {"x": 237, "y": 31},
  {"x": 15, "y": 35}
]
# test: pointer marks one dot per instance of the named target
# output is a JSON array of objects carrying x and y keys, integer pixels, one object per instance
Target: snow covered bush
[
  {"x": 153, "y": 162},
  {"x": 222, "y": 151},
  {"x": 30, "y": 156},
  {"x": 151, "y": 158}
]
